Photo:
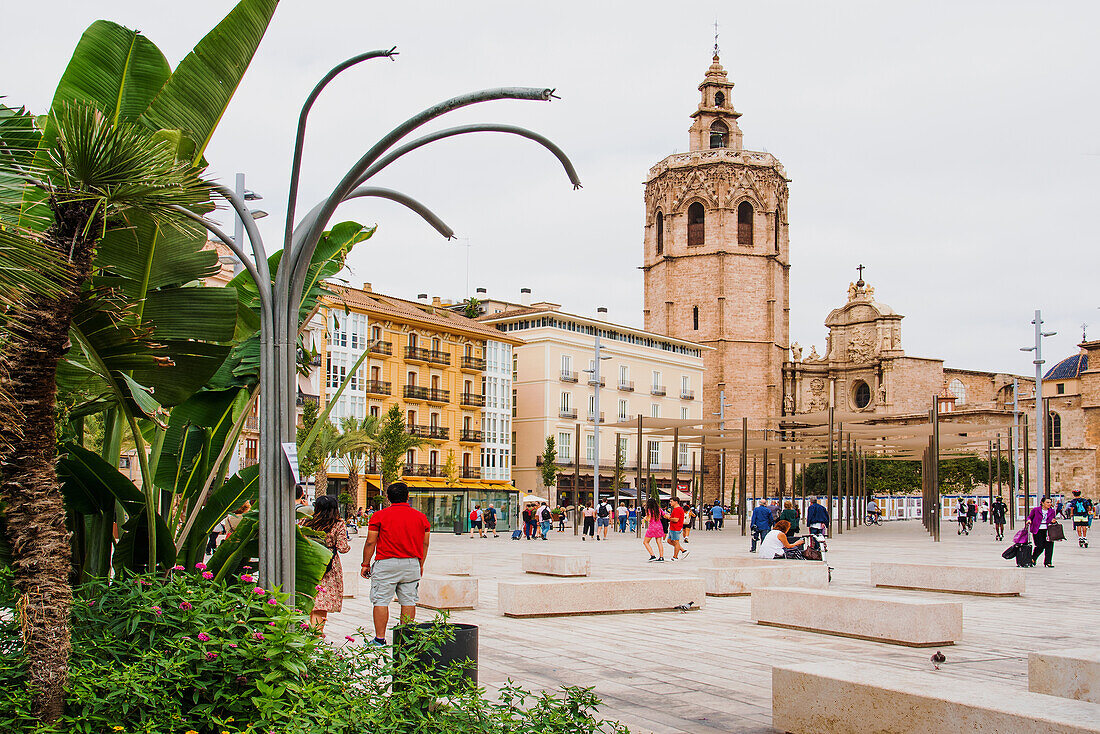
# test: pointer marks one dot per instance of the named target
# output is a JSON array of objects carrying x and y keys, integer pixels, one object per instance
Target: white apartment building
[
  {"x": 641, "y": 373},
  {"x": 496, "y": 416}
]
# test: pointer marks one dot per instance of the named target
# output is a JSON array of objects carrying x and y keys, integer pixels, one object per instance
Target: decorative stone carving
[
  {"x": 796, "y": 352},
  {"x": 788, "y": 404},
  {"x": 882, "y": 393},
  {"x": 861, "y": 347},
  {"x": 851, "y": 291},
  {"x": 814, "y": 357}
]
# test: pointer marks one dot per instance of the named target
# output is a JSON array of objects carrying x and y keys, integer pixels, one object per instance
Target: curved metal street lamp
[{"x": 280, "y": 300}]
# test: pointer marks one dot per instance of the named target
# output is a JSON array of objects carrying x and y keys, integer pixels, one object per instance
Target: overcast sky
[{"x": 951, "y": 147}]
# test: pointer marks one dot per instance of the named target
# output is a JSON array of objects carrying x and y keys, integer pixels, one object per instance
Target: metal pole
[
  {"x": 998, "y": 470},
  {"x": 694, "y": 502},
  {"x": 840, "y": 484},
  {"x": 675, "y": 463},
  {"x": 596, "y": 424},
  {"x": 743, "y": 480},
  {"x": 829, "y": 475},
  {"x": 1027, "y": 473},
  {"x": 1014, "y": 448},
  {"x": 989, "y": 469},
  {"x": 618, "y": 457},
  {"x": 936, "y": 462},
  {"x": 638, "y": 504},
  {"x": 1041, "y": 465},
  {"x": 722, "y": 453},
  {"x": 1047, "y": 438},
  {"x": 576, "y": 476}
]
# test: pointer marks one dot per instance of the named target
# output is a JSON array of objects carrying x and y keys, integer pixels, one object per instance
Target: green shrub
[{"x": 187, "y": 655}]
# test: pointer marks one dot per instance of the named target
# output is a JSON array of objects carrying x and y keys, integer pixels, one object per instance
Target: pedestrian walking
[
  {"x": 490, "y": 514},
  {"x": 325, "y": 518},
  {"x": 545, "y": 518},
  {"x": 791, "y": 516},
  {"x": 589, "y": 527},
  {"x": 528, "y": 522},
  {"x": 717, "y": 514},
  {"x": 984, "y": 508},
  {"x": 760, "y": 523},
  {"x": 1080, "y": 512},
  {"x": 676, "y": 517},
  {"x": 997, "y": 513},
  {"x": 971, "y": 514},
  {"x": 1040, "y": 520},
  {"x": 623, "y": 514},
  {"x": 477, "y": 522},
  {"x": 212, "y": 541},
  {"x": 689, "y": 519},
  {"x": 397, "y": 540},
  {"x": 962, "y": 515},
  {"x": 817, "y": 518},
  {"x": 633, "y": 518},
  {"x": 655, "y": 531},
  {"x": 603, "y": 519}
]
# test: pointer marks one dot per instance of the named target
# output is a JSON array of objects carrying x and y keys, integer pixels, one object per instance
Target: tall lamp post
[
  {"x": 597, "y": 353},
  {"x": 280, "y": 297},
  {"x": 1040, "y": 419}
]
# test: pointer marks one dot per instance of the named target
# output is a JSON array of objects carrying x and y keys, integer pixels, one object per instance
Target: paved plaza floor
[{"x": 710, "y": 670}]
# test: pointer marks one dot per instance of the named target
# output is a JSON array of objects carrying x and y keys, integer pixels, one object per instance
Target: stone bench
[
  {"x": 742, "y": 561},
  {"x": 740, "y": 580},
  {"x": 1070, "y": 673},
  {"x": 602, "y": 596},
  {"x": 550, "y": 564},
  {"x": 449, "y": 592},
  {"x": 854, "y": 697},
  {"x": 978, "y": 580},
  {"x": 914, "y": 623},
  {"x": 438, "y": 565}
]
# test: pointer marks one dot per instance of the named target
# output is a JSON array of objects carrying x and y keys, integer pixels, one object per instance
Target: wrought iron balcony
[
  {"x": 423, "y": 470},
  {"x": 568, "y": 376},
  {"x": 474, "y": 364},
  {"x": 377, "y": 387},
  {"x": 687, "y": 394},
  {"x": 592, "y": 416},
  {"x": 658, "y": 390},
  {"x": 418, "y": 354},
  {"x": 602, "y": 381},
  {"x": 439, "y": 433},
  {"x": 469, "y": 435},
  {"x": 431, "y": 395},
  {"x": 627, "y": 386},
  {"x": 473, "y": 399},
  {"x": 383, "y": 348},
  {"x": 571, "y": 413},
  {"x": 471, "y": 472},
  {"x": 304, "y": 398}
]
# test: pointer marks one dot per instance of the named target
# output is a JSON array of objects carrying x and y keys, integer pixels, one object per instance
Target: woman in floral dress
[{"x": 330, "y": 591}]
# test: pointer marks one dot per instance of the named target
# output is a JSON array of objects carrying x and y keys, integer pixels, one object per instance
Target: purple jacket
[{"x": 1035, "y": 517}]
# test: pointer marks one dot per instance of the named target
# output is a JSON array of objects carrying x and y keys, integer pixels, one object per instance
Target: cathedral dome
[{"x": 1069, "y": 368}]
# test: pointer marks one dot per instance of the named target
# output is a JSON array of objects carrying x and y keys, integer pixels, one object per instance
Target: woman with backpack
[{"x": 330, "y": 591}]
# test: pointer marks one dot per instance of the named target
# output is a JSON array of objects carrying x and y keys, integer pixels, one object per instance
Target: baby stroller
[{"x": 817, "y": 549}]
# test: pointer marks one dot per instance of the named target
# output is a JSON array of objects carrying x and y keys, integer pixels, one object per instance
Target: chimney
[
  {"x": 482, "y": 292},
  {"x": 366, "y": 287},
  {"x": 436, "y": 301},
  {"x": 525, "y": 296},
  {"x": 422, "y": 297},
  {"x": 602, "y": 309}
]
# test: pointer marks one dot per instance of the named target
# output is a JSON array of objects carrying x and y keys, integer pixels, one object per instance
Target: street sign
[{"x": 291, "y": 451}]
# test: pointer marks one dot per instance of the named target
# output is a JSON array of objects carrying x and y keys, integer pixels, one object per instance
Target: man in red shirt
[
  {"x": 676, "y": 529},
  {"x": 397, "y": 538}
]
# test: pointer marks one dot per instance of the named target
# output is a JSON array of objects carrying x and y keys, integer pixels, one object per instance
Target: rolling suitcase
[
  {"x": 1023, "y": 555},
  {"x": 517, "y": 534}
]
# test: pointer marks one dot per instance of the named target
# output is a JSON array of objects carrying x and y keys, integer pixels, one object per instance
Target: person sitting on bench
[{"x": 775, "y": 543}]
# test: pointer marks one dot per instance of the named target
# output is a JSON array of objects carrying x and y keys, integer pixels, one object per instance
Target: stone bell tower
[{"x": 717, "y": 259}]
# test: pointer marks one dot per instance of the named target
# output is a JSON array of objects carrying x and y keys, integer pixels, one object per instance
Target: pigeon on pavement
[
  {"x": 938, "y": 658},
  {"x": 685, "y": 607}
]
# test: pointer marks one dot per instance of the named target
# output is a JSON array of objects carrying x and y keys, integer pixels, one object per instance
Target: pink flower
[
  {"x": 143, "y": 582},
  {"x": 246, "y": 568},
  {"x": 248, "y": 578},
  {"x": 200, "y": 566},
  {"x": 91, "y": 603},
  {"x": 185, "y": 605},
  {"x": 319, "y": 588},
  {"x": 156, "y": 610},
  {"x": 258, "y": 590},
  {"x": 272, "y": 602},
  {"x": 211, "y": 655},
  {"x": 178, "y": 568},
  {"x": 232, "y": 644},
  {"x": 349, "y": 638},
  {"x": 207, "y": 575},
  {"x": 303, "y": 625},
  {"x": 270, "y": 624},
  {"x": 258, "y": 635},
  {"x": 203, "y": 637}
]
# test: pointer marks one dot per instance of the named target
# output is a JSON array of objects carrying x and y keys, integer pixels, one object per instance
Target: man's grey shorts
[{"x": 399, "y": 576}]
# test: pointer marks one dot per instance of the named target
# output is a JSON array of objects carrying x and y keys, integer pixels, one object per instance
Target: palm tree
[
  {"x": 392, "y": 443},
  {"x": 326, "y": 445},
  {"x": 86, "y": 171},
  {"x": 357, "y": 439}
]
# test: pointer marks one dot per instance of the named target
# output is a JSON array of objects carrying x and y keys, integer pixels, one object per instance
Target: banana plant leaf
[
  {"x": 91, "y": 485},
  {"x": 132, "y": 549},
  {"x": 147, "y": 256},
  {"x": 196, "y": 95},
  {"x": 238, "y": 489},
  {"x": 197, "y": 430},
  {"x": 311, "y": 557}
]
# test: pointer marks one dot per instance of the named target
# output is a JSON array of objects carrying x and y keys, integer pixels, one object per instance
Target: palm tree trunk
[
  {"x": 34, "y": 514},
  {"x": 353, "y": 487},
  {"x": 320, "y": 481}
]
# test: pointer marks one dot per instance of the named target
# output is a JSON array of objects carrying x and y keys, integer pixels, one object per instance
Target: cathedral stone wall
[{"x": 913, "y": 381}]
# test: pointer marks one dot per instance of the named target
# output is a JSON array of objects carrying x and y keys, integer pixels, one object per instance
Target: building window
[
  {"x": 695, "y": 318},
  {"x": 654, "y": 453},
  {"x": 410, "y": 378},
  {"x": 862, "y": 394},
  {"x": 696, "y": 224},
  {"x": 958, "y": 389},
  {"x": 412, "y": 341},
  {"x": 684, "y": 414},
  {"x": 410, "y": 457},
  {"x": 776, "y": 235},
  {"x": 436, "y": 345},
  {"x": 719, "y": 100},
  {"x": 566, "y": 402},
  {"x": 719, "y": 134},
  {"x": 251, "y": 451},
  {"x": 660, "y": 233},
  {"x": 657, "y": 380},
  {"x": 1054, "y": 427},
  {"x": 744, "y": 224},
  {"x": 565, "y": 447},
  {"x": 1060, "y": 388},
  {"x": 624, "y": 446},
  {"x": 375, "y": 411},
  {"x": 684, "y": 458},
  {"x": 590, "y": 448},
  {"x": 655, "y": 410},
  {"x": 376, "y": 333},
  {"x": 624, "y": 375},
  {"x": 622, "y": 410}
]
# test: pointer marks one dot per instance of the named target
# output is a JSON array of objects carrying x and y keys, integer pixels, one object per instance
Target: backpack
[
  {"x": 603, "y": 510},
  {"x": 473, "y": 515},
  {"x": 546, "y": 516}
]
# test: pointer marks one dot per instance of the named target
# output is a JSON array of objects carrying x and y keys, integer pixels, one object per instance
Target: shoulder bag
[{"x": 1055, "y": 532}]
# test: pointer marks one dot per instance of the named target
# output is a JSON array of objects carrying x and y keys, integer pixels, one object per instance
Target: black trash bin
[
  {"x": 463, "y": 647},
  {"x": 460, "y": 526}
]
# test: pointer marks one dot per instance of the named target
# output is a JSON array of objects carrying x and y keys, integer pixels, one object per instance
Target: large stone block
[
  {"x": 440, "y": 565},
  {"x": 449, "y": 592},
  {"x": 858, "y": 698},
  {"x": 1070, "y": 673},
  {"x": 740, "y": 580},
  {"x": 914, "y": 623},
  {"x": 979, "y": 580},
  {"x": 600, "y": 596},
  {"x": 743, "y": 561},
  {"x": 550, "y": 564}
]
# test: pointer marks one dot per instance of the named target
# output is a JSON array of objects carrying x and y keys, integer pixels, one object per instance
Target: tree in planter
[
  {"x": 548, "y": 467},
  {"x": 392, "y": 443},
  {"x": 450, "y": 470},
  {"x": 357, "y": 439}
]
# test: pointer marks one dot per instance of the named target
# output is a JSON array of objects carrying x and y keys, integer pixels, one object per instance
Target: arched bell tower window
[
  {"x": 1054, "y": 429},
  {"x": 660, "y": 224},
  {"x": 719, "y": 99},
  {"x": 719, "y": 134},
  {"x": 696, "y": 224},
  {"x": 744, "y": 224},
  {"x": 777, "y": 218}
]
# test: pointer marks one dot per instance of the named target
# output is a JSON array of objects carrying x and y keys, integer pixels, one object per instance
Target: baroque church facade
[{"x": 716, "y": 263}]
